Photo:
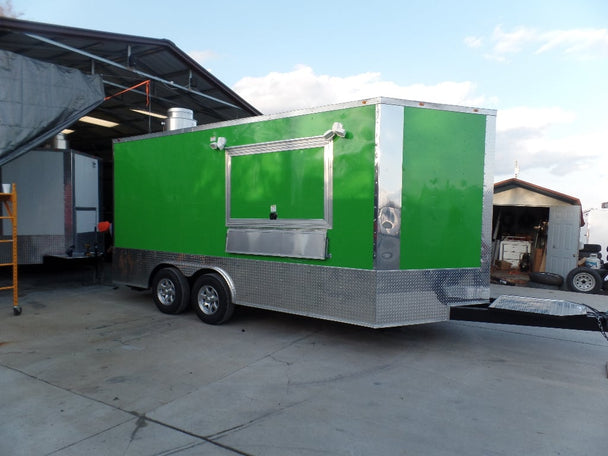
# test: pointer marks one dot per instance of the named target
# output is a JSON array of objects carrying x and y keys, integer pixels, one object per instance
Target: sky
[{"x": 542, "y": 64}]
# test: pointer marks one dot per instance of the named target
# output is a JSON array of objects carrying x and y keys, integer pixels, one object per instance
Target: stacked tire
[{"x": 588, "y": 249}]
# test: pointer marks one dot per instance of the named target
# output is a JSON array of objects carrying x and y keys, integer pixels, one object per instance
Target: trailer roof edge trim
[{"x": 324, "y": 108}]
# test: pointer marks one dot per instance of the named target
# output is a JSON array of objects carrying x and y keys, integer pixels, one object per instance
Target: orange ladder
[{"x": 9, "y": 201}]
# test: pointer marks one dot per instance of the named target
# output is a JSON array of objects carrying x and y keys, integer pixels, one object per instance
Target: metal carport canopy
[{"x": 123, "y": 61}]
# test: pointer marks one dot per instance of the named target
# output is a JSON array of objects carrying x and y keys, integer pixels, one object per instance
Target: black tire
[
  {"x": 548, "y": 278},
  {"x": 584, "y": 280},
  {"x": 210, "y": 299},
  {"x": 542, "y": 285},
  {"x": 593, "y": 248},
  {"x": 170, "y": 291}
]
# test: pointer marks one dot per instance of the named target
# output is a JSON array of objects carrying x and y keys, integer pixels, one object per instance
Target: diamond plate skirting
[
  {"x": 31, "y": 249},
  {"x": 363, "y": 297}
]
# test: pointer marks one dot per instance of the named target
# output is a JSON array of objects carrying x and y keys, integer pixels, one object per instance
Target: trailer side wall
[{"x": 173, "y": 188}]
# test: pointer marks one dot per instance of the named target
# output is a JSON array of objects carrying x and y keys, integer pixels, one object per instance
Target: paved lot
[{"x": 90, "y": 369}]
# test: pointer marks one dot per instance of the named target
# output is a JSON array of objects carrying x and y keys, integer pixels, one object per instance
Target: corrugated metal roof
[{"x": 176, "y": 80}]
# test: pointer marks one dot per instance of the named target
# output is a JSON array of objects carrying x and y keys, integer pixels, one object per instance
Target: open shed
[{"x": 534, "y": 228}]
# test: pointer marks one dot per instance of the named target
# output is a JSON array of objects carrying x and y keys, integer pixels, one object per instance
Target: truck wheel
[
  {"x": 170, "y": 291},
  {"x": 211, "y": 299},
  {"x": 584, "y": 280}
]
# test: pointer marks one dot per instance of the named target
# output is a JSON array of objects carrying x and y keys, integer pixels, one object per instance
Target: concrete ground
[{"x": 89, "y": 369}]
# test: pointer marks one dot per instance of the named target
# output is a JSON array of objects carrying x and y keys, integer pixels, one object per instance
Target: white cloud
[
  {"x": 302, "y": 88},
  {"x": 584, "y": 43},
  {"x": 511, "y": 42},
  {"x": 535, "y": 137},
  {"x": 532, "y": 118},
  {"x": 529, "y": 136},
  {"x": 574, "y": 164},
  {"x": 473, "y": 41}
]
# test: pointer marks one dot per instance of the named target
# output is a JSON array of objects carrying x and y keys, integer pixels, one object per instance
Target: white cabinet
[{"x": 511, "y": 250}]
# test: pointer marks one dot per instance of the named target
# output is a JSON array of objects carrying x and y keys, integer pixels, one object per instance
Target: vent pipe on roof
[{"x": 178, "y": 118}]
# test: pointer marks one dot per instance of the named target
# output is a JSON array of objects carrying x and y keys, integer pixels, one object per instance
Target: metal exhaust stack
[{"x": 178, "y": 118}]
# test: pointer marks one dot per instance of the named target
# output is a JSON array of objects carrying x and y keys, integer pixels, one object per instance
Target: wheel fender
[{"x": 229, "y": 282}]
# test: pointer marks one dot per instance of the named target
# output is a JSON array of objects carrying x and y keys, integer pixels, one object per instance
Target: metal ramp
[{"x": 556, "y": 307}]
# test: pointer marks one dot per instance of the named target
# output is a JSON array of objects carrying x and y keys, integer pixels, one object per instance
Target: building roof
[
  {"x": 123, "y": 61},
  {"x": 513, "y": 183},
  {"x": 517, "y": 183}
]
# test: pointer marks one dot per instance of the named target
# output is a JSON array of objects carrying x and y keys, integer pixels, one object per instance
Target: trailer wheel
[
  {"x": 211, "y": 299},
  {"x": 584, "y": 280},
  {"x": 170, "y": 291}
]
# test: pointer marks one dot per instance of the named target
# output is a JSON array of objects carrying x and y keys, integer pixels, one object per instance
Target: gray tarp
[{"x": 38, "y": 100}]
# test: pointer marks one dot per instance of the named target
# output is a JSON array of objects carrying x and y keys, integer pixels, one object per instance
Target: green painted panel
[
  {"x": 292, "y": 180},
  {"x": 170, "y": 191},
  {"x": 443, "y": 171},
  {"x": 169, "y": 195}
]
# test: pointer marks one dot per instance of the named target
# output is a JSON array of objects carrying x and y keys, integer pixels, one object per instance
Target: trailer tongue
[{"x": 530, "y": 311}]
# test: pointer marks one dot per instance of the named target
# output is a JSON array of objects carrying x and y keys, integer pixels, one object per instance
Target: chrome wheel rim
[
  {"x": 208, "y": 300},
  {"x": 584, "y": 281},
  {"x": 165, "y": 292}
]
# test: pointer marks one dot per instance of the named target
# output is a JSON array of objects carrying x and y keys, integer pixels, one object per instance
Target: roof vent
[{"x": 178, "y": 118}]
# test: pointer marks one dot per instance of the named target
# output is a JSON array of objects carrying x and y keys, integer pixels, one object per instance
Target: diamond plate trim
[
  {"x": 31, "y": 249},
  {"x": 362, "y": 297}
]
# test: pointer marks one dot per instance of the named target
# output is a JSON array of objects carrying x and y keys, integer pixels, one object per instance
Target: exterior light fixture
[
  {"x": 99, "y": 122},
  {"x": 336, "y": 130},
  {"x": 148, "y": 113},
  {"x": 218, "y": 143}
]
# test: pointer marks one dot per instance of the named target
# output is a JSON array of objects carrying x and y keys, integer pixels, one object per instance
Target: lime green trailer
[{"x": 375, "y": 212}]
